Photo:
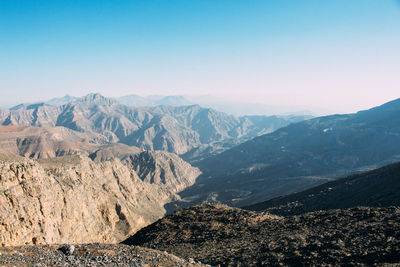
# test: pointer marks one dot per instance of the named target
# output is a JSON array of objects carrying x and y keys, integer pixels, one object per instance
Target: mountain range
[
  {"x": 190, "y": 131},
  {"x": 238, "y": 108}
]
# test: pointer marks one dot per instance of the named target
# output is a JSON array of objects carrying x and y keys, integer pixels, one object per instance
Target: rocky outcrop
[
  {"x": 217, "y": 234},
  {"x": 76, "y": 200},
  {"x": 163, "y": 168}
]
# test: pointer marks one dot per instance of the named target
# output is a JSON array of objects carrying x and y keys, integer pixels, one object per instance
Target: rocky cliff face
[{"x": 74, "y": 199}]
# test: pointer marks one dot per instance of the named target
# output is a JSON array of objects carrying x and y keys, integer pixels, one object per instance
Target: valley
[{"x": 93, "y": 171}]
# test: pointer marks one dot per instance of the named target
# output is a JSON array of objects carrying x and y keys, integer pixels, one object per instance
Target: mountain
[
  {"x": 300, "y": 156},
  {"x": 377, "y": 188},
  {"x": 73, "y": 199},
  {"x": 221, "y": 235},
  {"x": 59, "y": 101},
  {"x": 190, "y": 131},
  {"x": 39, "y": 115}
]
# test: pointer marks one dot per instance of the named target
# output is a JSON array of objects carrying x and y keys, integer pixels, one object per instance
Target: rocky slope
[
  {"x": 377, "y": 188},
  {"x": 300, "y": 156},
  {"x": 90, "y": 255},
  {"x": 217, "y": 234},
  {"x": 190, "y": 131},
  {"x": 75, "y": 199},
  {"x": 46, "y": 142}
]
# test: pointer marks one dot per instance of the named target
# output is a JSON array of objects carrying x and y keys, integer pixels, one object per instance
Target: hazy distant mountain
[
  {"x": 59, "y": 101},
  {"x": 155, "y": 100},
  {"x": 191, "y": 131},
  {"x": 377, "y": 188},
  {"x": 236, "y": 108},
  {"x": 300, "y": 156}
]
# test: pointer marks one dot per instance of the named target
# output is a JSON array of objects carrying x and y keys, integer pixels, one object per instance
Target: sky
[{"x": 341, "y": 55}]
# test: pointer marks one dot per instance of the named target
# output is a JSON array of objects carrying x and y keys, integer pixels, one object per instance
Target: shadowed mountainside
[
  {"x": 300, "y": 156},
  {"x": 377, "y": 188}
]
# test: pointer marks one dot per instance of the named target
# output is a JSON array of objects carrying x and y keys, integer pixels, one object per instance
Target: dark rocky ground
[
  {"x": 89, "y": 255},
  {"x": 218, "y": 234}
]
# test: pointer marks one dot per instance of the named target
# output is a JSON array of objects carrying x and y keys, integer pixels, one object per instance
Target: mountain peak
[{"x": 97, "y": 98}]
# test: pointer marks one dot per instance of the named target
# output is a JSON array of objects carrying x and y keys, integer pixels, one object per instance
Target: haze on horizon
[{"x": 337, "y": 55}]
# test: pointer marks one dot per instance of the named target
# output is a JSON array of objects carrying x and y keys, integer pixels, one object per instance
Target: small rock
[{"x": 67, "y": 249}]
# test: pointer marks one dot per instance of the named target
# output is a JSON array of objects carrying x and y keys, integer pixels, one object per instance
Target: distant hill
[
  {"x": 377, "y": 188},
  {"x": 300, "y": 156},
  {"x": 217, "y": 234},
  {"x": 190, "y": 131}
]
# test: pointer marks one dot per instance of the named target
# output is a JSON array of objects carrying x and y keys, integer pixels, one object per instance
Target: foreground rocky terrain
[
  {"x": 90, "y": 255},
  {"x": 218, "y": 234},
  {"x": 376, "y": 188}
]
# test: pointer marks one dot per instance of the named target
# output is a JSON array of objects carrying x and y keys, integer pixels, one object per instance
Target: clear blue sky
[{"x": 339, "y": 54}]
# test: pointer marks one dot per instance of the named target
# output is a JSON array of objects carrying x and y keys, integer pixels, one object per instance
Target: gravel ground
[{"x": 90, "y": 255}]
